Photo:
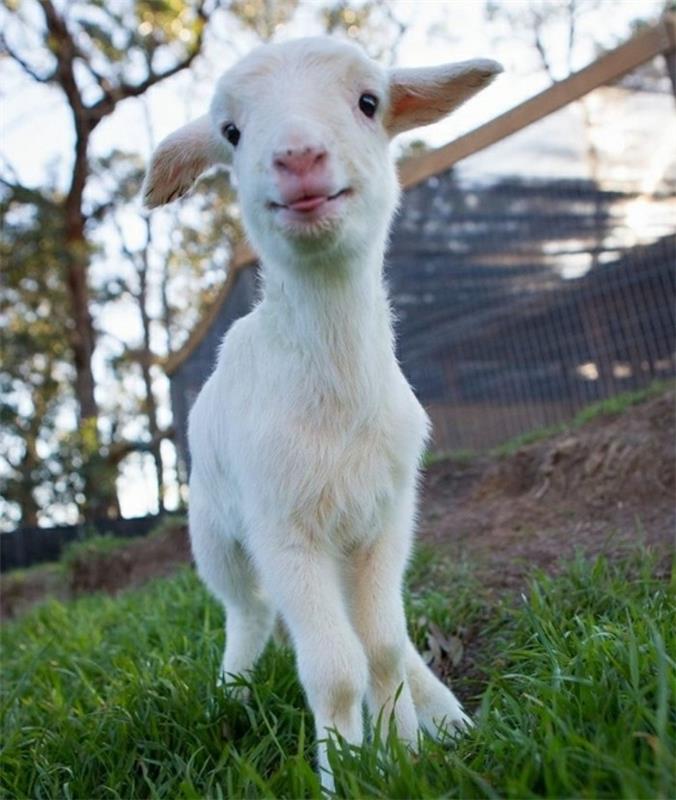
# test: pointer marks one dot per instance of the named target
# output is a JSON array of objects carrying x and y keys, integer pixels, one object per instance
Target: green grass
[
  {"x": 115, "y": 698},
  {"x": 461, "y": 457},
  {"x": 611, "y": 406},
  {"x": 104, "y": 543},
  {"x": 40, "y": 570},
  {"x": 99, "y": 544}
]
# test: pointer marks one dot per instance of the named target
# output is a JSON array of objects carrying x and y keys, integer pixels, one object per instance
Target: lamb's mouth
[{"x": 309, "y": 203}]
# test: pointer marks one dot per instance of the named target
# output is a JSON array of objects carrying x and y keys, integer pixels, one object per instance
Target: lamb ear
[
  {"x": 425, "y": 95},
  {"x": 180, "y": 159}
]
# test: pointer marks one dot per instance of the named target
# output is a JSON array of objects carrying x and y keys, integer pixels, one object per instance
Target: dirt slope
[
  {"x": 130, "y": 565},
  {"x": 597, "y": 488}
]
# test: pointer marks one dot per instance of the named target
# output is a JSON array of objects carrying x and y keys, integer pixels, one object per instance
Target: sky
[
  {"x": 437, "y": 31},
  {"x": 36, "y": 135}
]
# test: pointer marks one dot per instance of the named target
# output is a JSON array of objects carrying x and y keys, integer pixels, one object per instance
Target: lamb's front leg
[
  {"x": 331, "y": 662},
  {"x": 375, "y": 581}
]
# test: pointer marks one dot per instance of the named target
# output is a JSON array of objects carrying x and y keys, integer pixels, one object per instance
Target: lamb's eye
[
  {"x": 231, "y": 133},
  {"x": 368, "y": 104}
]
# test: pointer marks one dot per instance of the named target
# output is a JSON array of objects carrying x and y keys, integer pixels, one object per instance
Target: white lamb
[{"x": 306, "y": 440}]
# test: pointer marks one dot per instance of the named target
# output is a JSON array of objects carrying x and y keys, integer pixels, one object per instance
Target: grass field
[{"x": 116, "y": 698}]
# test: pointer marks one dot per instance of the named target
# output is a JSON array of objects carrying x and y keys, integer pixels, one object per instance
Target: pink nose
[{"x": 299, "y": 161}]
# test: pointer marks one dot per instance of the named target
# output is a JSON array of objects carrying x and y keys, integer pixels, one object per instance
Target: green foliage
[
  {"x": 187, "y": 245},
  {"x": 168, "y": 21},
  {"x": 169, "y": 523},
  {"x": 37, "y": 571},
  {"x": 262, "y": 17},
  {"x": 117, "y": 698},
  {"x": 112, "y": 37},
  {"x": 95, "y": 545},
  {"x": 104, "y": 543},
  {"x": 415, "y": 147},
  {"x": 460, "y": 456},
  {"x": 374, "y": 25},
  {"x": 97, "y": 54},
  {"x": 612, "y": 406},
  {"x": 40, "y": 456}
]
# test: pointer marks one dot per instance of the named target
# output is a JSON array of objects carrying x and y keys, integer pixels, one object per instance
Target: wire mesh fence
[
  {"x": 540, "y": 275},
  {"x": 524, "y": 307}
]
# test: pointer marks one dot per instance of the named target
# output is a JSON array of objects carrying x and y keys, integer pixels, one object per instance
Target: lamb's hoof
[
  {"x": 452, "y": 726},
  {"x": 444, "y": 720}
]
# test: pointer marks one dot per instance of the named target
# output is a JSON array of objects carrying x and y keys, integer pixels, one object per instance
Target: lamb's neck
[{"x": 337, "y": 319}]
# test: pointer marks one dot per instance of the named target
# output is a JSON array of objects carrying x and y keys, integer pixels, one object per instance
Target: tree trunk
[
  {"x": 26, "y": 501},
  {"x": 101, "y": 497},
  {"x": 82, "y": 333},
  {"x": 146, "y": 360}
]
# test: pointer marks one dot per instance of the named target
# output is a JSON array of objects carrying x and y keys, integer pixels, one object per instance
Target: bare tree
[{"x": 96, "y": 52}]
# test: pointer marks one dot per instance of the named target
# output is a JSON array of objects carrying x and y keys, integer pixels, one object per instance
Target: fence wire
[
  {"x": 522, "y": 304},
  {"x": 540, "y": 274}
]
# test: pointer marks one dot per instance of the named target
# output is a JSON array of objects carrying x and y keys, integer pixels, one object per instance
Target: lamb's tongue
[{"x": 307, "y": 203}]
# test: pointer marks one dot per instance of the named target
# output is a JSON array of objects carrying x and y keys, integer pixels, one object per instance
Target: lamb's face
[{"x": 305, "y": 124}]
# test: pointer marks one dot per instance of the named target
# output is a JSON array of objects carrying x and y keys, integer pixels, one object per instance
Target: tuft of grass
[
  {"x": 99, "y": 544},
  {"x": 92, "y": 546},
  {"x": 168, "y": 523},
  {"x": 611, "y": 406},
  {"x": 116, "y": 698},
  {"x": 34, "y": 572},
  {"x": 511, "y": 446},
  {"x": 461, "y": 456},
  {"x": 102, "y": 544},
  {"x": 618, "y": 404}
]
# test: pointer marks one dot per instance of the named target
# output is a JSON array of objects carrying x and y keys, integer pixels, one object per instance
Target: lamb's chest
[{"x": 358, "y": 477}]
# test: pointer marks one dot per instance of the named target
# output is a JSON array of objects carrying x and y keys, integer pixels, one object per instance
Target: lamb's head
[{"x": 306, "y": 126}]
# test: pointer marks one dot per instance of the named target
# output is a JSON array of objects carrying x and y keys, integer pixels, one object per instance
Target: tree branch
[
  {"x": 540, "y": 47},
  {"x": 65, "y": 51},
  {"x": 117, "y": 451},
  {"x": 102, "y": 210},
  {"x": 25, "y": 194},
  {"x": 25, "y": 66},
  {"x": 104, "y": 83},
  {"x": 124, "y": 90}
]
